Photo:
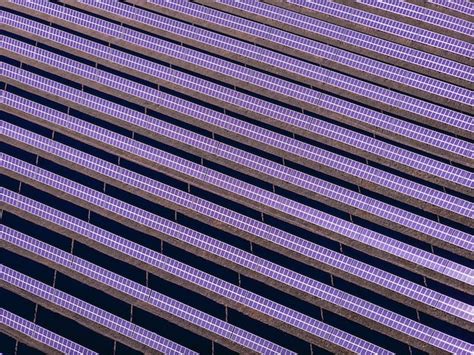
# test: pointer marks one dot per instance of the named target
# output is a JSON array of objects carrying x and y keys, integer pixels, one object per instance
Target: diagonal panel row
[
  {"x": 403, "y": 35},
  {"x": 187, "y": 276},
  {"x": 408, "y": 58},
  {"x": 135, "y": 293},
  {"x": 310, "y": 290},
  {"x": 313, "y": 291},
  {"x": 287, "y": 178},
  {"x": 358, "y": 173},
  {"x": 334, "y": 228},
  {"x": 457, "y": 8},
  {"x": 389, "y": 101},
  {"x": 87, "y": 314},
  {"x": 37, "y": 336},
  {"x": 303, "y": 97},
  {"x": 278, "y": 63},
  {"x": 327, "y": 133},
  {"x": 224, "y": 292},
  {"x": 429, "y": 301},
  {"x": 418, "y": 16}
]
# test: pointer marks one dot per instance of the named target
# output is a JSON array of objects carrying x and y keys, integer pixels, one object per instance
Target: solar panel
[
  {"x": 406, "y": 57},
  {"x": 398, "y": 32},
  {"x": 394, "y": 102},
  {"x": 359, "y": 237},
  {"x": 140, "y": 295},
  {"x": 157, "y": 263},
  {"x": 38, "y": 336},
  {"x": 255, "y": 231},
  {"x": 309, "y": 289},
  {"x": 446, "y": 205},
  {"x": 285, "y": 177},
  {"x": 317, "y": 125},
  {"x": 386, "y": 75},
  {"x": 420, "y": 16},
  {"x": 455, "y": 7},
  {"x": 86, "y": 313}
]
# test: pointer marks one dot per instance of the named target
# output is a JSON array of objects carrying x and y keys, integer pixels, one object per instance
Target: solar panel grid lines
[
  {"x": 136, "y": 294},
  {"x": 112, "y": 240},
  {"x": 451, "y": 198},
  {"x": 389, "y": 76},
  {"x": 407, "y": 36},
  {"x": 37, "y": 336},
  {"x": 336, "y": 108},
  {"x": 344, "y": 233},
  {"x": 330, "y": 129},
  {"x": 342, "y": 341},
  {"x": 221, "y": 124},
  {"x": 448, "y": 119},
  {"x": 334, "y": 260},
  {"x": 310, "y": 290},
  {"x": 260, "y": 165},
  {"x": 420, "y": 62},
  {"x": 156, "y": 262},
  {"x": 348, "y": 171},
  {"x": 451, "y": 8},
  {"x": 418, "y": 16},
  {"x": 259, "y": 57},
  {"x": 88, "y": 315}
]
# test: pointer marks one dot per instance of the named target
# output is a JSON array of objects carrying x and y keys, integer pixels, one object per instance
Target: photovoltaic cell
[
  {"x": 344, "y": 301},
  {"x": 154, "y": 128},
  {"x": 18, "y": 325},
  {"x": 444, "y": 204},
  {"x": 324, "y": 223},
  {"x": 98, "y": 166},
  {"x": 86, "y": 310},
  {"x": 185, "y": 273},
  {"x": 381, "y": 47}
]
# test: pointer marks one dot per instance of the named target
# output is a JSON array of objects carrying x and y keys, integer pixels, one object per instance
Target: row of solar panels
[
  {"x": 286, "y": 280},
  {"x": 419, "y": 16}
]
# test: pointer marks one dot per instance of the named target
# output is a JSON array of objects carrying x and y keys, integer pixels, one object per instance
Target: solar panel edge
[
  {"x": 359, "y": 124},
  {"x": 294, "y": 76},
  {"x": 130, "y": 299},
  {"x": 416, "y": 201},
  {"x": 396, "y": 324},
  {"x": 42, "y": 339},
  {"x": 363, "y": 246},
  {"x": 253, "y": 238},
  {"x": 238, "y": 167},
  {"x": 279, "y": 324},
  {"x": 304, "y": 55},
  {"x": 370, "y": 155},
  {"x": 444, "y": 8},
  {"x": 304, "y": 296},
  {"x": 408, "y": 20}
]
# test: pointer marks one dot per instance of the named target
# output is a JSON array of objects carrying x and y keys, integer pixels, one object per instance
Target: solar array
[{"x": 226, "y": 177}]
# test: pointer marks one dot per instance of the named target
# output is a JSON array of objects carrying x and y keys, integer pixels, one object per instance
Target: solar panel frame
[
  {"x": 140, "y": 296},
  {"x": 313, "y": 292},
  {"x": 436, "y": 201},
  {"x": 419, "y": 16},
  {"x": 453, "y": 8},
  {"x": 85, "y": 313},
  {"x": 39, "y": 337},
  {"x": 237, "y": 295},
  {"x": 404, "y": 105},
  {"x": 258, "y": 199},
  {"x": 374, "y": 276},
  {"x": 439, "y": 68},
  {"x": 411, "y": 224},
  {"x": 390, "y": 30},
  {"x": 357, "y": 65}
]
